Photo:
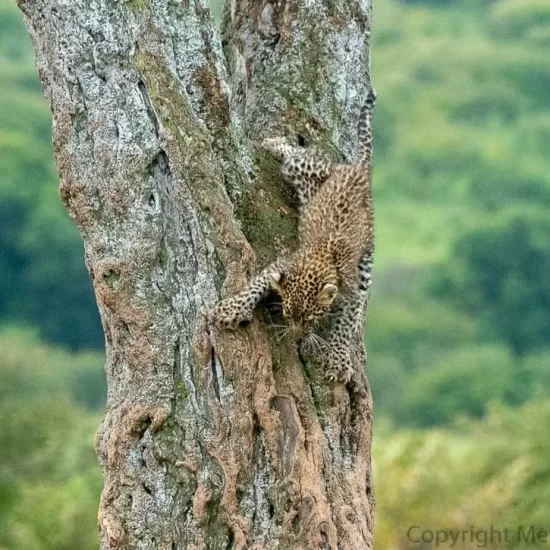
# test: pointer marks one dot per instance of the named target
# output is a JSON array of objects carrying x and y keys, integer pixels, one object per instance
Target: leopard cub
[{"x": 325, "y": 283}]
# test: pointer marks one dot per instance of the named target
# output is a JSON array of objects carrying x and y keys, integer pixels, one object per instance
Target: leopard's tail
[{"x": 364, "y": 148}]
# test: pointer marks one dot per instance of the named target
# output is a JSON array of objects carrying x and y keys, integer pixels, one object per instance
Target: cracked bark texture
[{"x": 210, "y": 439}]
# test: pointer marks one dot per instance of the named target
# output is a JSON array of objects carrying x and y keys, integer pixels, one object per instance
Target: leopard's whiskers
[
  {"x": 309, "y": 343},
  {"x": 315, "y": 342},
  {"x": 321, "y": 342},
  {"x": 281, "y": 332}
]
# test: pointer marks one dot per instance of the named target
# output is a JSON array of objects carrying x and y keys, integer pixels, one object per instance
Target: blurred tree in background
[
  {"x": 44, "y": 281},
  {"x": 500, "y": 274},
  {"x": 459, "y": 326}
]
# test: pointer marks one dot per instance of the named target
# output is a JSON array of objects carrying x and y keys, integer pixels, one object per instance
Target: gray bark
[{"x": 210, "y": 439}]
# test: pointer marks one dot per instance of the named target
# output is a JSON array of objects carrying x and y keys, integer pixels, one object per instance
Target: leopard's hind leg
[{"x": 304, "y": 169}]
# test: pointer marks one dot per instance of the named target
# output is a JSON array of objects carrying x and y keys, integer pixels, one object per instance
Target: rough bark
[{"x": 210, "y": 439}]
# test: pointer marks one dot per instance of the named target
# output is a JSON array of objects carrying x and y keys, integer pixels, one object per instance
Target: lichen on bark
[{"x": 210, "y": 439}]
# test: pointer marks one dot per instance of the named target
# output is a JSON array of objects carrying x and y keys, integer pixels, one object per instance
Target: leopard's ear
[{"x": 327, "y": 294}]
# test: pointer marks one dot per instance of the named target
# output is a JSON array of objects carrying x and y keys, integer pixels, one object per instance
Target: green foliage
[
  {"x": 51, "y": 474},
  {"x": 499, "y": 273},
  {"x": 463, "y": 382},
  {"x": 13, "y": 38},
  {"x": 459, "y": 107},
  {"x": 49, "y": 480},
  {"x": 44, "y": 282},
  {"x": 459, "y": 315},
  {"x": 493, "y": 472},
  {"x": 57, "y": 516},
  {"x": 520, "y": 18},
  {"x": 30, "y": 370},
  {"x": 413, "y": 333}
]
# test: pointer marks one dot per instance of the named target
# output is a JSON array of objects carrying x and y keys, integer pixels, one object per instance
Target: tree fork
[{"x": 211, "y": 439}]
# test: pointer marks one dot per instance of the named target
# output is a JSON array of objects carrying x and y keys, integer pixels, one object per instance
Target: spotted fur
[{"x": 325, "y": 283}]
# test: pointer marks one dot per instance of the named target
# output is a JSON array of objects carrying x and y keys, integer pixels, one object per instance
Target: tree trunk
[{"x": 211, "y": 439}]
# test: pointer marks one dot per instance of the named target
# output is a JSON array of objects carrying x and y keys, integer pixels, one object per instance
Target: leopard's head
[{"x": 306, "y": 297}]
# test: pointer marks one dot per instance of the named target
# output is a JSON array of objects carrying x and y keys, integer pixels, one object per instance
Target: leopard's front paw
[
  {"x": 338, "y": 364},
  {"x": 278, "y": 147},
  {"x": 231, "y": 313}
]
